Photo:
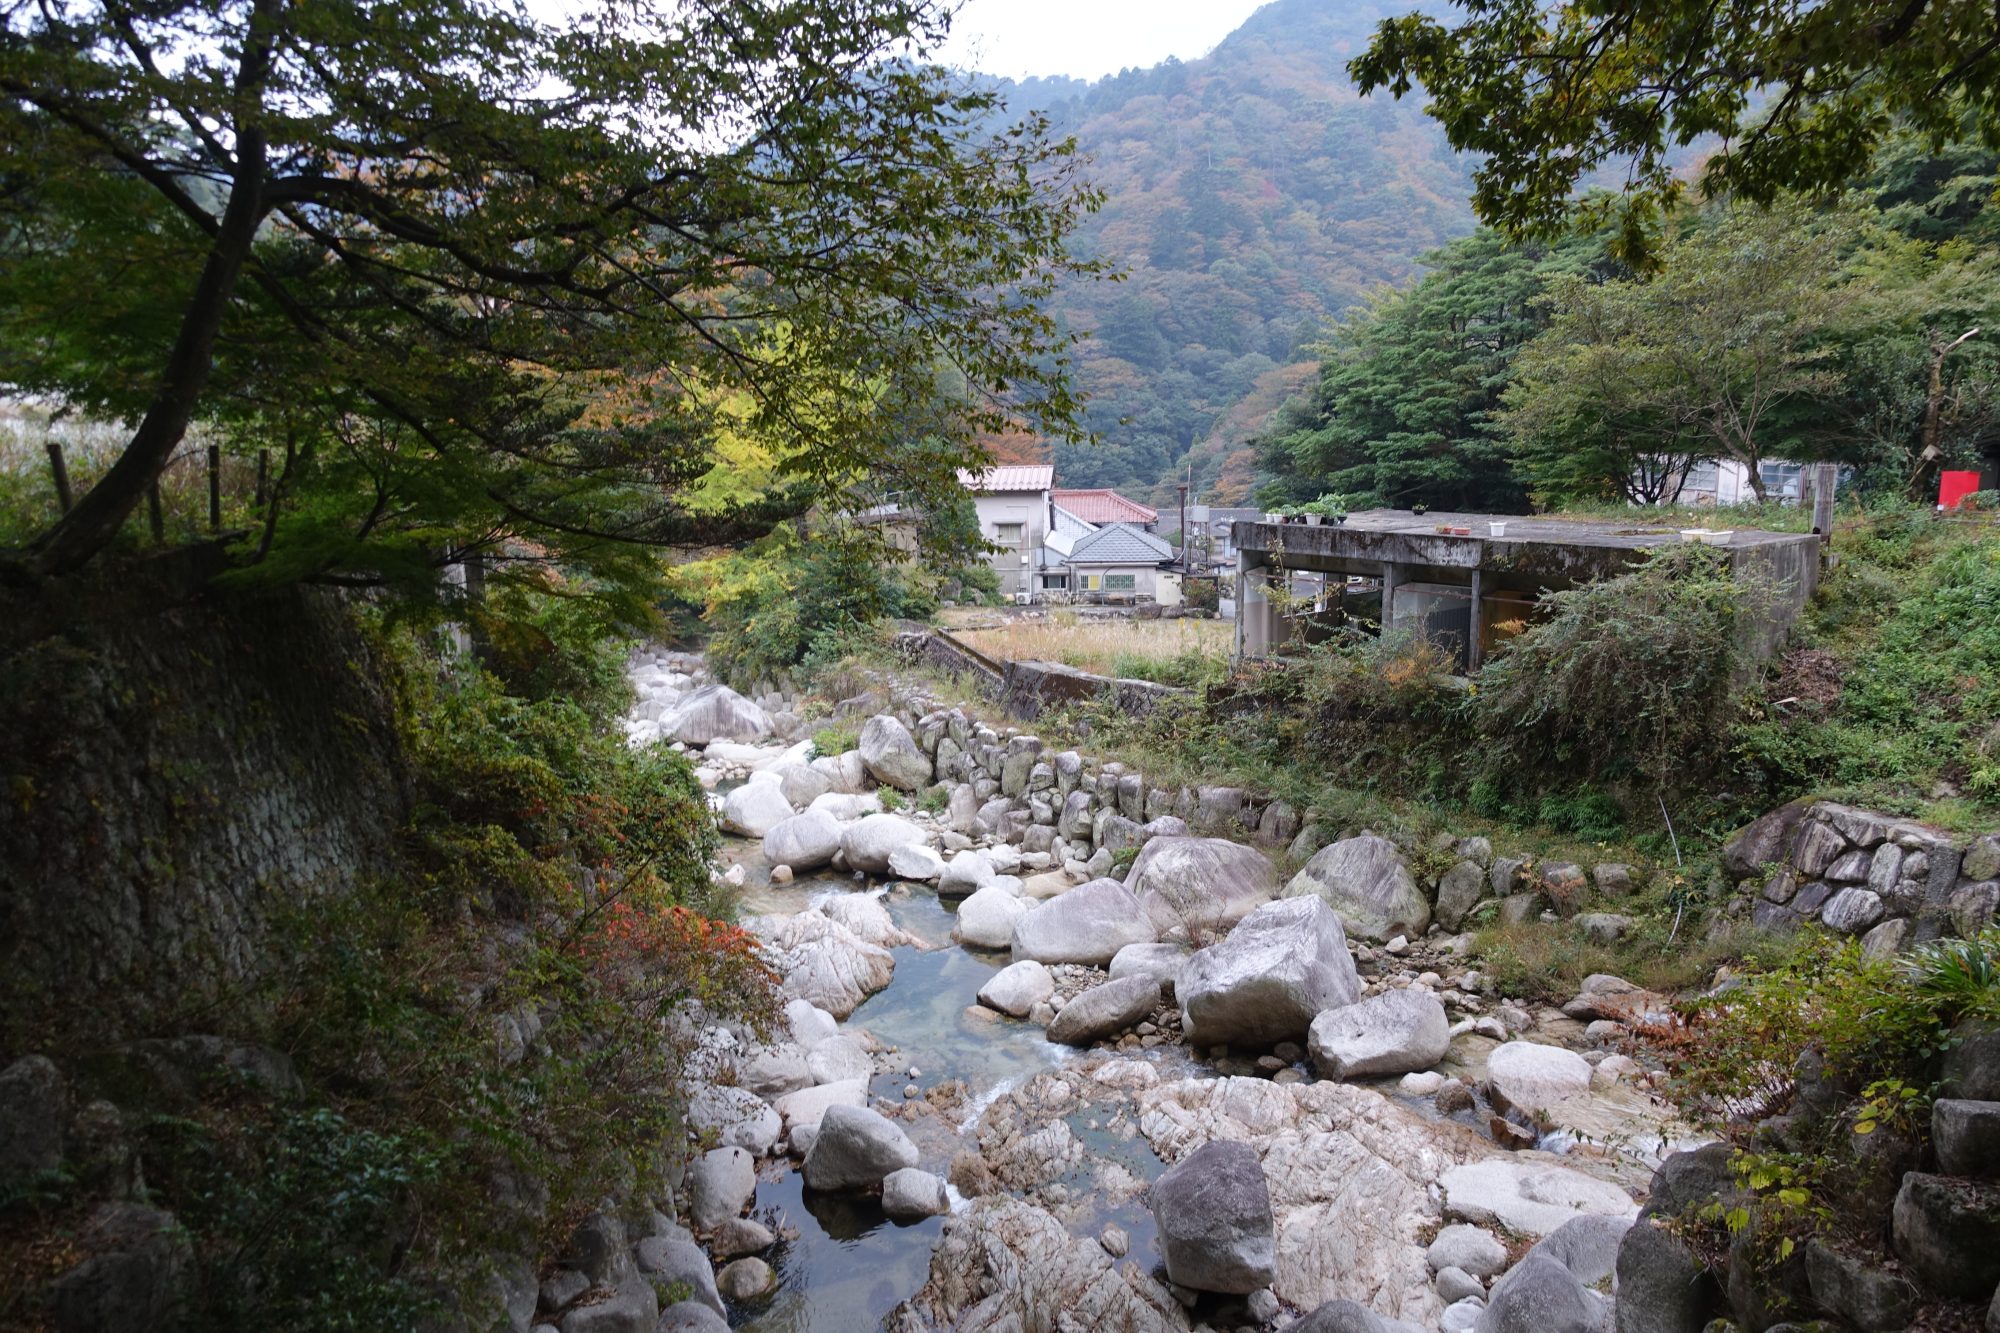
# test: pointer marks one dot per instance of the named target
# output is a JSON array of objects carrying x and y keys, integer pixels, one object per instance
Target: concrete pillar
[
  {"x": 1391, "y": 576},
  {"x": 1476, "y": 622},
  {"x": 1257, "y": 631},
  {"x": 1242, "y": 597}
]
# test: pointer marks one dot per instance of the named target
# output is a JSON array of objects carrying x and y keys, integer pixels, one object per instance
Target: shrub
[
  {"x": 833, "y": 741},
  {"x": 1865, "y": 1018},
  {"x": 1634, "y": 677}
]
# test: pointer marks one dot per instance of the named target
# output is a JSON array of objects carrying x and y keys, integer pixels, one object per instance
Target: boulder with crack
[
  {"x": 1005, "y": 1266},
  {"x": 1351, "y": 1175},
  {"x": 1284, "y": 965},
  {"x": 821, "y": 961},
  {"x": 1201, "y": 884}
]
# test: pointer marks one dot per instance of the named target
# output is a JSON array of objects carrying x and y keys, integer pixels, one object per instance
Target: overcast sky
[{"x": 1086, "y": 39}]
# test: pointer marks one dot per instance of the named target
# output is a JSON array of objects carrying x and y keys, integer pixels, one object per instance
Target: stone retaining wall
[
  {"x": 178, "y": 765},
  {"x": 1892, "y": 881}
]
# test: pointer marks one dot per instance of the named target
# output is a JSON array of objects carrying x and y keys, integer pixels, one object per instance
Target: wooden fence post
[
  {"x": 61, "y": 471},
  {"x": 215, "y": 488}
]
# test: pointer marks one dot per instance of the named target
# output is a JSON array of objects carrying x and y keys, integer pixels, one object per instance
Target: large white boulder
[
  {"x": 987, "y": 919},
  {"x": 965, "y": 873},
  {"x": 809, "y": 1024},
  {"x": 1161, "y": 962},
  {"x": 1533, "y": 1198},
  {"x": 803, "y": 1109},
  {"x": 839, "y": 1060},
  {"x": 909, "y": 1194},
  {"x": 802, "y": 783},
  {"x": 1365, "y": 881},
  {"x": 864, "y": 916},
  {"x": 1201, "y": 883},
  {"x": 738, "y": 1117},
  {"x": 1396, "y": 1032},
  {"x": 844, "y": 770},
  {"x": 1529, "y": 1076},
  {"x": 1284, "y": 965},
  {"x": 1089, "y": 924},
  {"x": 1018, "y": 987},
  {"x": 720, "y": 1183},
  {"x": 844, "y": 806},
  {"x": 915, "y": 861},
  {"x": 1105, "y": 1010},
  {"x": 855, "y": 1149},
  {"x": 755, "y": 808},
  {"x": 803, "y": 842},
  {"x": 821, "y": 961},
  {"x": 715, "y": 713},
  {"x": 868, "y": 841},
  {"x": 891, "y": 755}
]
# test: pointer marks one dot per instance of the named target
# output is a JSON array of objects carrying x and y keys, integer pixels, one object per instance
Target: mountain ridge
[{"x": 1253, "y": 197}]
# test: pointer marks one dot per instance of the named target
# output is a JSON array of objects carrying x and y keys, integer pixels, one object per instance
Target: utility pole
[{"x": 1186, "y": 541}]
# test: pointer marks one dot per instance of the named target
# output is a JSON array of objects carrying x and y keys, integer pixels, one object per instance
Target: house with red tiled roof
[{"x": 1104, "y": 505}]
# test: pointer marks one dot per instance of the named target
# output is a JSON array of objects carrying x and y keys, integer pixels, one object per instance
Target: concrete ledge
[
  {"x": 1024, "y": 689},
  {"x": 1029, "y": 687}
]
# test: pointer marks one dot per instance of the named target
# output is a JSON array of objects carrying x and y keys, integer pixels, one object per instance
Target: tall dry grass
[{"x": 1097, "y": 645}]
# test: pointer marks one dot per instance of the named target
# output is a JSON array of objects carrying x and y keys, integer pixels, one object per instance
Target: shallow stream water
[{"x": 847, "y": 1266}]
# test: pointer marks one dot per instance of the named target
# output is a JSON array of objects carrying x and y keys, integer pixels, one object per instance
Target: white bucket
[{"x": 1497, "y": 529}]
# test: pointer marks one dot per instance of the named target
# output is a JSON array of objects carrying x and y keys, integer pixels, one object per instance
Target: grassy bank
[{"x": 1170, "y": 651}]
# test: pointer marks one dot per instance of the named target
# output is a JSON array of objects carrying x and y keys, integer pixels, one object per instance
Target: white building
[
  {"x": 1013, "y": 508},
  {"x": 1728, "y": 482},
  {"x": 1088, "y": 544}
]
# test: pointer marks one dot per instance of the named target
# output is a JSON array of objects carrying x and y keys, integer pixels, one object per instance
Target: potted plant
[
  {"x": 1420, "y": 509},
  {"x": 1329, "y": 508}
]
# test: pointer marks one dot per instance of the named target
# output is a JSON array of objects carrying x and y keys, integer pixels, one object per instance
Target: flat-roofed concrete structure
[{"x": 1496, "y": 566}]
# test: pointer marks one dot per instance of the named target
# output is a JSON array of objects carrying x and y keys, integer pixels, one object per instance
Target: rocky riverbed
[{"x": 1026, "y": 1082}]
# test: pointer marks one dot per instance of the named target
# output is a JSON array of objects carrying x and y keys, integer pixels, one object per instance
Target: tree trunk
[
  {"x": 80, "y": 534},
  {"x": 1930, "y": 451}
]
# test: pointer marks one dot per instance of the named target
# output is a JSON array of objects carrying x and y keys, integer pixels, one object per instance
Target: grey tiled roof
[{"x": 1120, "y": 544}]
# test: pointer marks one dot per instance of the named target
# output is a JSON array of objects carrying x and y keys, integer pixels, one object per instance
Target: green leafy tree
[
  {"x": 492, "y": 280},
  {"x": 1802, "y": 96},
  {"x": 1694, "y": 359},
  {"x": 1402, "y": 410}
]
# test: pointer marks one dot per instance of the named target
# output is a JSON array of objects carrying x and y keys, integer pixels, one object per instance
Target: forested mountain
[{"x": 1252, "y": 196}]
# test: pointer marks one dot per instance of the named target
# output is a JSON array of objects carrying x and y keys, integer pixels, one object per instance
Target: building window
[
  {"x": 1701, "y": 477},
  {"x": 1782, "y": 481},
  {"x": 1008, "y": 534},
  {"x": 1121, "y": 582},
  {"x": 1086, "y": 582}
]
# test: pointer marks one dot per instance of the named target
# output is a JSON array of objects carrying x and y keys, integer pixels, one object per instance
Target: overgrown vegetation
[
  {"x": 486, "y": 1046},
  {"x": 797, "y": 594},
  {"x": 1821, "y": 1064}
]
